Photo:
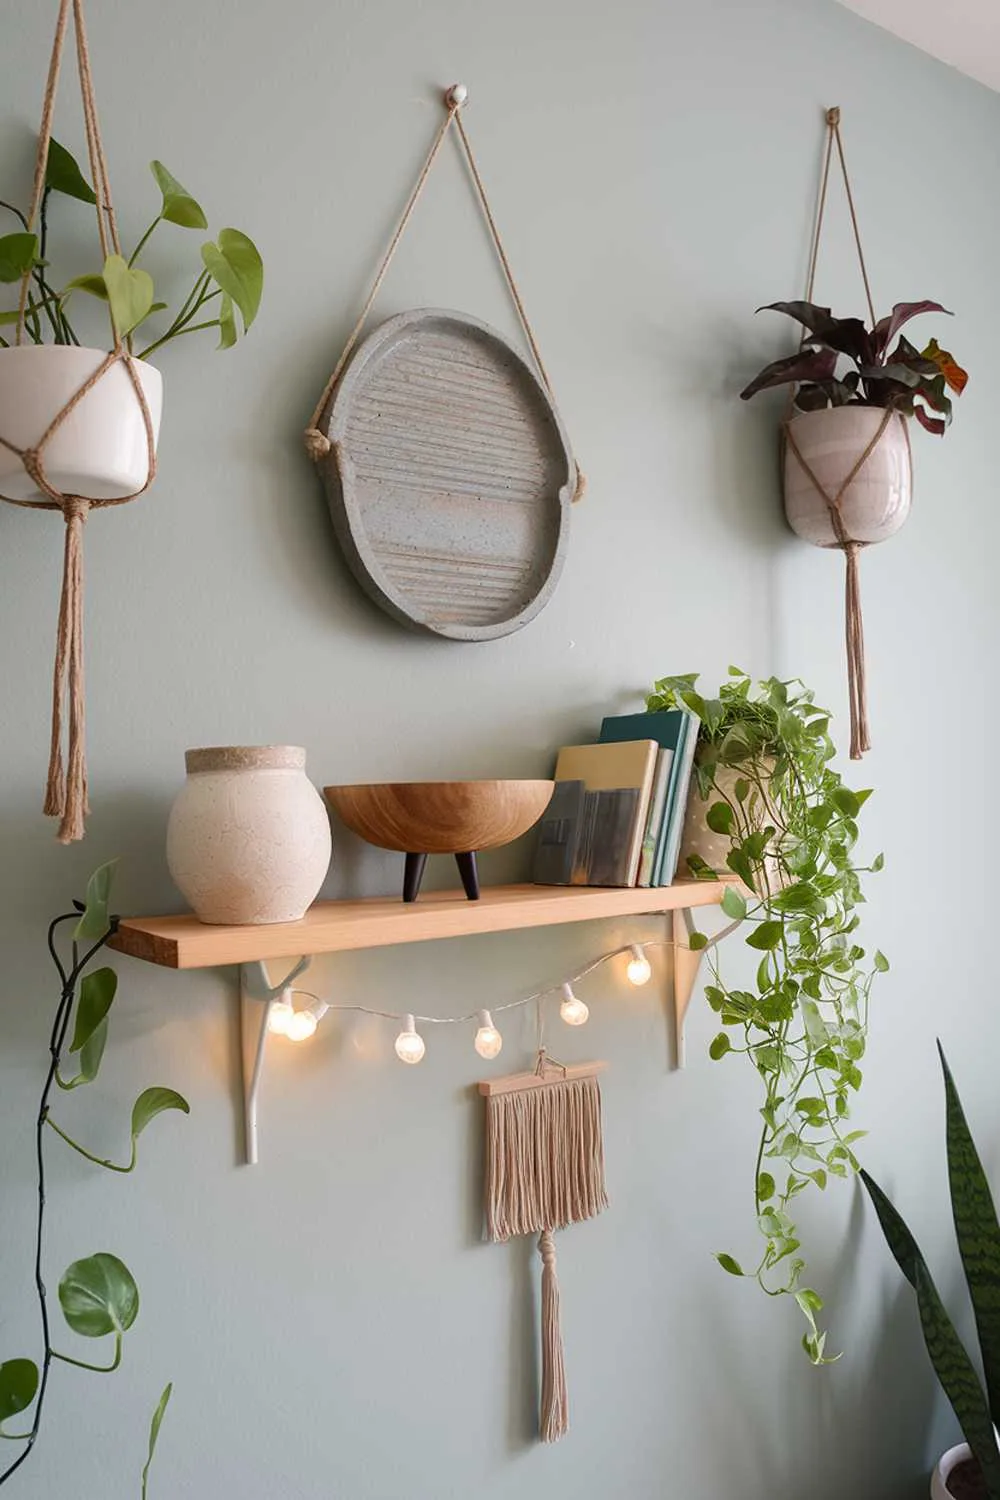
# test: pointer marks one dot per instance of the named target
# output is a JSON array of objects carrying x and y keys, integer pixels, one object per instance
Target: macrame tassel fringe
[
  {"x": 856, "y": 671},
  {"x": 66, "y": 790},
  {"x": 553, "y": 1420},
  {"x": 544, "y": 1158}
]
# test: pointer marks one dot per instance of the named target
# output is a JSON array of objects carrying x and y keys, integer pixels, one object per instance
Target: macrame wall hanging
[
  {"x": 66, "y": 791},
  {"x": 848, "y": 471},
  {"x": 544, "y": 1171},
  {"x": 448, "y": 472}
]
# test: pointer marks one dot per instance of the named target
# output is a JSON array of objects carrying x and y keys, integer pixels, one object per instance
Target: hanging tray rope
[
  {"x": 317, "y": 443},
  {"x": 851, "y": 548},
  {"x": 66, "y": 790}
]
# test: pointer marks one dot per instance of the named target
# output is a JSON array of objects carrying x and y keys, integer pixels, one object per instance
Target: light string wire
[{"x": 535, "y": 997}]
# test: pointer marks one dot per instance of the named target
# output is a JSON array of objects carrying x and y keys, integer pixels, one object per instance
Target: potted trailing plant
[
  {"x": 782, "y": 819},
  {"x": 848, "y": 474},
  {"x": 971, "y": 1470},
  {"x": 97, "y": 1294},
  {"x": 100, "y": 449}
]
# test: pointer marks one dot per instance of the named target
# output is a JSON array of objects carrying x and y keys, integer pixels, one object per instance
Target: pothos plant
[
  {"x": 763, "y": 767},
  {"x": 98, "y": 1294},
  {"x": 228, "y": 281}
]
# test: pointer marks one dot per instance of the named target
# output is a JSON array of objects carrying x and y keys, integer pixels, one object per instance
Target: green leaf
[
  {"x": 228, "y": 332},
  {"x": 97, "y": 993},
  {"x": 878, "y": 863},
  {"x": 719, "y": 1046},
  {"x": 728, "y": 1263},
  {"x": 154, "y": 1432},
  {"x": 845, "y": 801},
  {"x": 697, "y": 941},
  {"x": 733, "y": 903},
  {"x": 720, "y": 817},
  {"x": 63, "y": 175},
  {"x": 91, "y": 1054},
  {"x": 98, "y": 1296},
  {"x": 130, "y": 293},
  {"x": 152, "y": 1102},
  {"x": 766, "y": 936},
  {"x": 94, "y": 922},
  {"x": 235, "y": 265},
  {"x": 958, "y": 1377},
  {"x": 92, "y": 283},
  {"x": 17, "y": 255},
  {"x": 742, "y": 789},
  {"x": 765, "y": 1186},
  {"x": 178, "y": 205},
  {"x": 18, "y": 1384},
  {"x": 881, "y": 962},
  {"x": 976, "y": 1230}
]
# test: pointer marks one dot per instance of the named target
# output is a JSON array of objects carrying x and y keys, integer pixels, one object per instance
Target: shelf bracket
[
  {"x": 257, "y": 995},
  {"x": 687, "y": 962}
]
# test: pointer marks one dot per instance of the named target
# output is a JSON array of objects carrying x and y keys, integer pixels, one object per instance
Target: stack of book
[{"x": 617, "y": 812}]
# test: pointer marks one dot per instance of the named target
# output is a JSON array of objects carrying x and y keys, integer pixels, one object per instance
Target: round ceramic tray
[{"x": 449, "y": 477}]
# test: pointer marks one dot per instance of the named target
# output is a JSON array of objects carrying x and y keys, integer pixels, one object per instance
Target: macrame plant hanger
[
  {"x": 66, "y": 790},
  {"x": 855, "y": 635},
  {"x": 316, "y": 441}
]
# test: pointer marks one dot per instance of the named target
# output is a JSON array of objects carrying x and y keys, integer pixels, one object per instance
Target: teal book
[
  {"x": 670, "y": 844},
  {"x": 667, "y": 729}
]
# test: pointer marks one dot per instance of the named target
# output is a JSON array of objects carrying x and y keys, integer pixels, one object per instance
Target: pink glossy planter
[{"x": 877, "y": 501}]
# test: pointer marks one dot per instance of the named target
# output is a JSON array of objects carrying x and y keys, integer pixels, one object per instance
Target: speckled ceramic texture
[
  {"x": 698, "y": 839},
  {"x": 450, "y": 478},
  {"x": 878, "y": 500},
  {"x": 248, "y": 841}
]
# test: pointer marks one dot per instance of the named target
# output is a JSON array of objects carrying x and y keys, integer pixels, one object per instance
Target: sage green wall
[{"x": 331, "y": 1321}]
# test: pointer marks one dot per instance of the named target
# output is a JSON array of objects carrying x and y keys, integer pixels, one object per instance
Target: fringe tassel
[
  {"x": 856, "y": 671},
  {"x": 66, "y": 790},
  {"x": 553, "y": 1418},
  {"x": 544, "y": 1158}
]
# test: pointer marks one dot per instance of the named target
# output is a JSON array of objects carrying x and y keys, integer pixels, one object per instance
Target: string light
[
  {"x": 296, "y": 1025},
  {"x": 488, "y": 1039},
  {"x": 639, "y": 969},
  {"x": 572, "y": 1010},
  {"x": 409, "y": 1044},
  {"x": 280, "y": 1014}
]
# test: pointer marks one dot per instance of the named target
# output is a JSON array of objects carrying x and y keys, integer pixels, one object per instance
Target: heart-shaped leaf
[
  {"x": 94, "y": 922},
  {"x": 92, "y": 284},
  {"x": 130, "y": 293},
  {"x": 63, "y": 175},
  {"x": 766, "y": 936},
  {"x": 97, "y": 992},
  {"x": 98, "y": 1296},
  {"x": 178, "y": 205},
  {"x": 235, "y": 265},
  {"x": 733, "y": 904},
  {"x": 228, "y": 332},
  {"x": 18, "y": 1384},
  {"x": 152, "y": 1102},
  {"x": 17, "y": 255}
]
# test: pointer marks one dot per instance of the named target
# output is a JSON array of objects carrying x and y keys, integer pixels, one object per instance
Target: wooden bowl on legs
[{"x": 440, "y": 817}]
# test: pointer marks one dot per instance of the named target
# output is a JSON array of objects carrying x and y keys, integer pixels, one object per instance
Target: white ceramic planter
[
  {"x": 697, "y": 838},
  {"x": 248, "y": 839},
  {"x": 947, "y": 1462},
  {"x": 878, "y": 500},
  {"x": 100, "y": 450}
]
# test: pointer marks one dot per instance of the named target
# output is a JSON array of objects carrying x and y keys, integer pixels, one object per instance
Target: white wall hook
[{"x": 257, "y": 995}]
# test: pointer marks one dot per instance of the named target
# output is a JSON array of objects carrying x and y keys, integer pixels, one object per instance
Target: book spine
[
  {"x": 668, "y": 809},
  {"x": 683, "y": 787},
  {"x": 651, "y": 838}
]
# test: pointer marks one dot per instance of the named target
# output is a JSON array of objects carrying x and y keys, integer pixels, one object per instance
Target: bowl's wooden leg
[
  {"x": 469, "y": 873},
  {"x": 413, "y": 875}
]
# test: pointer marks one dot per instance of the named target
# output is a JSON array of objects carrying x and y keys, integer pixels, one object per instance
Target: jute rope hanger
[
  {"x": 316, "y": 441},
  {"x": 854, "y": 632},
  {"x": 66, "y": 790}
]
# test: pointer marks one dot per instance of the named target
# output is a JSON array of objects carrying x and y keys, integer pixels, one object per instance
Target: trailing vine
[{"x": 763, "y": 766}]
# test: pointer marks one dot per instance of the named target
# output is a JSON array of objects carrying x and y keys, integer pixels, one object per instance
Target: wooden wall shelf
[{"x": 182, "y": 942}]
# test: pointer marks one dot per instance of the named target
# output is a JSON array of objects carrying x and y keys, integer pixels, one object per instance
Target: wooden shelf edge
[{"x": 182, "y": 942}]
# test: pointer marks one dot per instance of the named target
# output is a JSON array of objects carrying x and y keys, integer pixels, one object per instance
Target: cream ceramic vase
[
  {"x": 248, "y": 839},
  {"x": 698, "y": 839},
  {"x": 877, "y": 501},
  {"x": 99, "y": 450}
]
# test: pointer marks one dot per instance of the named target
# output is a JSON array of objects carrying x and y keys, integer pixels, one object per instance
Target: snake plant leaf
[
  {"x": 154, "y": 1433},
  {"x": 63, "y": 175},
  {"x": 18, "y": 1384},
  {"x": 977, "y": 1231},
  {"x": 97, "y": 993},
  {"x": 98, "y": 1296},
  {"x": 178, "y": 205},
  {"x": 130, "y": 293},
  {"x": 235, "y": 265},
  {"x": 959, "y": 1380},
  {"x": 93, "y": 924},
  {"x": 152, "y": 1102},
  {"x": 17, "y": 255}
]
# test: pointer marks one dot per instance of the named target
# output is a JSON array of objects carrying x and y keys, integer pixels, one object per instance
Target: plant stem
[
  {"x": 178, "y": 333},
  {"x": 98, "y": 1161},
  {"x": 81, "y": 1364},
  {"x": 139, "y": 248}
]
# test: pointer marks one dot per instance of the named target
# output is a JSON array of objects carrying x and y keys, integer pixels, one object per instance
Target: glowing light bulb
[
  {"x": 280, "y": 1014},
  {"x": 639, "y": 968},
  {"x": 409, "y": 1044},
  {"x": 488, "y": 1039},
  {"x": 301, "y": 1026},
  {"x": 573, "y": 1010}
]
